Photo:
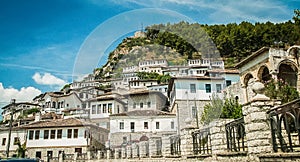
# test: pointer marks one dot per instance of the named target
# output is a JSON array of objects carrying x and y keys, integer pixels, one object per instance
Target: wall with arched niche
[{"x": 279, "y": 64}]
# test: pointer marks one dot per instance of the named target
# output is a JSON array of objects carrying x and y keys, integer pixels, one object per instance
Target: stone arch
[
  {"x": 247, "y": 78},
  {"x": 264, "y": 74},
  {"x": 294, "y": 51},
  {"x": 288, "y": 72}
]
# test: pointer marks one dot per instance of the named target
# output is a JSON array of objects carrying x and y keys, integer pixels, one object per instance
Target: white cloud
[
  {"x": 24, "y": 94},
  {"x": 225, "y": 11},
  {"x": 48, "y": 79}
]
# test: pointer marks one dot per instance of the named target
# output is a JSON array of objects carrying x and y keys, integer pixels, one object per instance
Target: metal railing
[
  {"x": 285, "y": 127},
  {"x": 235, "y": 135},
  {"x": 201, "y": 141},
  {"x": 175, "y": 145}
]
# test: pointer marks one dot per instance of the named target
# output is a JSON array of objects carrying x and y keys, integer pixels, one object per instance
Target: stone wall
[{"x": 218, "y": 136}]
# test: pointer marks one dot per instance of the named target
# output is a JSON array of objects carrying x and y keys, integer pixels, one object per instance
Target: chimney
[{"x": 37, "y": 116}]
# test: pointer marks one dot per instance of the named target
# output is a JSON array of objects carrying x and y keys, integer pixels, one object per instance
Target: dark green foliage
[
  {"x": 67, "y": 86},
  {"x": 231, "y": 109},
  {"x": 228, "y": 108},
  {"x": 155, "y": 76},
  {"x": 29, "y": 111},
  {"x": 21, "y": 150},
  {"x": 281, "y": 90},
  {"x": 104, "y": 87},
  {"x": 212, "y": 110},
  {"x": 296, "y": 17}
]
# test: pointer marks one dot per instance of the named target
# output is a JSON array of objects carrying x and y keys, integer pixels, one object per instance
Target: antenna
[{"x": 142, "y": 29}]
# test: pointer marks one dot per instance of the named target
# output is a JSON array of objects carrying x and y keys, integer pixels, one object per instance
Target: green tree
[
  {"x": 281, "y": 90},
  {"x": 296, "y": 16},
  {"x": 21, "y": 150},
  {"x": 228, "y": 108},
  {"x": 212, "y": 110}
]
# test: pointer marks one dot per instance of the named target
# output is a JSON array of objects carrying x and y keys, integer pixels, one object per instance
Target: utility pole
[{"x": 12, "y": 107}]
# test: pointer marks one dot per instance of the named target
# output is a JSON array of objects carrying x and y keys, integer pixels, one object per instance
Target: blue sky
[{"x": 41, "y": 40}]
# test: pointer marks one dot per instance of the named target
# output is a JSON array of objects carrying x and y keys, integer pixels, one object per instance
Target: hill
[{"x": 182, "y": 41}]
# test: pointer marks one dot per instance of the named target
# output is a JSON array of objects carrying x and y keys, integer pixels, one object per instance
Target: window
[
  {"x": 78, "y": 150},
  {"x": 194, "y": 112},
  {"x": 208, "y": 88},
  {"x": 157, "y": 125},
  {"x": 69, "y": 133},
  {"x": 132, "y": 126},
  {"x": 145, "y": 125},
  {"x": 3, "y": 141},
  {"x": 37, "y": 134},
  {"x": 31, "y": 135},
  {"x": 172, "y": 125},
  {"x": 193, "y": 88},
  {"x": 99, "y": 109},
  {"x": 118, "y": 109},
  {"x": 59, "y": 134},
  {"x": 16, "y": 140},
  {"x": 46, "y": 134},
  {"x": 141, "y": 105},
  {"x": 104, "y": 108},
  {"x": 219, "y": 88},
  {"x": 38, "y": 154},
  {"x": 75, "y": 133},
  {"x": 148, "y": 104},
  {"x": 124, "y": 139},
  {"x": 52, "y": 135},
  {"x": 110, "y": 108},
  {"x": 134, "y": 105},
  {"x": 121, "y": 125},
  {"x": 93, "y": 109},
  {"x": 228, "y": 83},
  {"x": 50, "y": 154}
]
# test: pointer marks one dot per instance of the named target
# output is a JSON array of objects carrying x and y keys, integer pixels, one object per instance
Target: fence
[
  {"x": 175, "y": 145},
  {"x": 285, "y": 127},
  {"x": 235, "y": 135},
  {"x": 201, "y": 141}
]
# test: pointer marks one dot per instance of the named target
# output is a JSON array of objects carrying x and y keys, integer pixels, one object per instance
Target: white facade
[
  {"x": 142, "y": 83},
  {"x": 68, "y": 135},
  {"x": 17, "y": 134},
  {"x": 18, "y": 109},
  {"x": 200, "y": 88},
  {"x": 132, "y": 125},
  {"x": 163, "y": 88},
  {"x": 143, "y": 124},
  {"x": 102, "y": 106},
  {"x": 148, "y": 63},
  {"x": 146, "y": 100},
  {"x": 58, "y": 102}
]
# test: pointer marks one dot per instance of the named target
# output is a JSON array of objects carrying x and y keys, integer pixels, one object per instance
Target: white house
[
  {"x": 189, "y": 94},
  {"x": 145, "y": 116},
  {"x": 58, "y": 102},
  {"x": 142, "y": 83},
  {"x": 17, "y": 135},
  {"x": 146, "y": 100},
  {"x": 163, "y": 88},
  {"x": 131, "y": 126},
  {"x": 104, "y": 105},
  {"x": 50, "y": 138},
  {"x": 17, "y": 108}
]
